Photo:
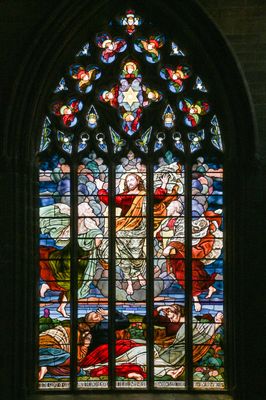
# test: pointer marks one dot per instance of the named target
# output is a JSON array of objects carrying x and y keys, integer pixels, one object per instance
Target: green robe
[
  {"x": 53, "y": 222},
  {"x": 175, "y": 353}
]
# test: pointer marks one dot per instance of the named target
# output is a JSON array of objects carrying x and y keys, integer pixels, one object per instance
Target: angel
[
  {"x": 92, "y": 117},
  {"x": 110, "y": 96},
  {"x": 193, "y": 111},
  {"x": 150, "y": 96},
  {"x": 130, "y": 96},
  {"x": 131, "y": 121},
  {"x": 130, "y": 21},
  {"x": 175, "y": 77},
  {"x": 168, "y": 117},
  {"x": 150, "y": 47},
  {"x": 110, "y": 47},
  {"x": 130, "y": 70},
  {"x": 85, "y": 76},
  {"x": 67, "y": 111}
]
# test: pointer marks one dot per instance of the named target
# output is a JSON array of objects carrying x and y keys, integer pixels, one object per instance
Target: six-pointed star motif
[{"x": 130, "y": 96}]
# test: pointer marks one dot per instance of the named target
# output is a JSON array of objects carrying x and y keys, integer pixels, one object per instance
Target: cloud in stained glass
[
  {"x": 92, "y": 117},
  {"x": 199, "y": 85},
  {"x": 150, "y": 47},
  {"x": 111, "y": 47},
  {"x": 176, "y": 51},
  {"x": 85, "y": 76},
  {"x": 168, "y": 117},
  {"x": 117, "y": 141},
  {"x": 143, "y": 142},
  {"x": 130, "y": 96},
  {"x": 85, "y": 51},
  {"x": 193, "y": 111},
  {"x": 216, "y": 134},
  {"x": 46, "y": 132},
  {"x": 124, "y": 89},
  {"x": 178, "y": 141},
  {"x": 100, "y": 137},
  {"x": 130, "y": 21},
  {"x": 61, "y": 86},
  {"x": 175, "y": 77},
  {"x": 159, "y": 141},
  {"x": 67, "y": 112},
  {"x": 195, "y": 139}
]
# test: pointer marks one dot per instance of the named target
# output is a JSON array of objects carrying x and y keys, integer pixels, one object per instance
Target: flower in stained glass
[
  {"x": 175, "y": 77},
  {"x": 110, "y": 47},
  {"x": 85, "y": 76},
  {"x": 150, "y": 47}
]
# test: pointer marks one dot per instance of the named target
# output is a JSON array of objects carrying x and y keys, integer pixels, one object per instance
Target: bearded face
[{"x": 132, "y": 182}]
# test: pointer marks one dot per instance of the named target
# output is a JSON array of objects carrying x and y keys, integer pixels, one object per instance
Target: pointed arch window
[{"x": 131, "y": 219}]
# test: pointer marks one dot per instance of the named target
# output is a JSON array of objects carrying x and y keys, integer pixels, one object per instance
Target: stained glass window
[{"x": 131, "y": 219}]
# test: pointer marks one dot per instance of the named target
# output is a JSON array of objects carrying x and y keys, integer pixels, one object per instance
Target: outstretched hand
[
  {"x": 102, "y": 312},
  {"x": 164, "y": 179}
]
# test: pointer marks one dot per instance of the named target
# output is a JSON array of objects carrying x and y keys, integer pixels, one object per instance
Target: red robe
[
  {"x": 46, "y": 273},
  {"x": 100, "y": 356},
  {"x": 201, "y": 280},
  {"x": 125, "y": 200}
]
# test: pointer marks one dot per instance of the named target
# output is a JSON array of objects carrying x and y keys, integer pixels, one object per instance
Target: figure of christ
[
  {"x": 131, "y": 227},
  {"x": 206, "y": 242}
]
